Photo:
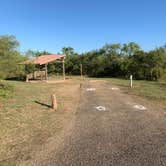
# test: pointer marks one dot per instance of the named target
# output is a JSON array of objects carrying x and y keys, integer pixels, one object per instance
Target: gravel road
[{"x": 120, "y": 135}]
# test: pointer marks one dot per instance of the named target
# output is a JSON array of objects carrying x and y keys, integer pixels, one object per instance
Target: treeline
[{"x": 114, "y": 60}]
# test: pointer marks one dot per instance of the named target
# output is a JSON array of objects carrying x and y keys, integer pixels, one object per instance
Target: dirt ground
[
  {"x": 27, "y": 121},
  {"x": 110, "y": 128}
]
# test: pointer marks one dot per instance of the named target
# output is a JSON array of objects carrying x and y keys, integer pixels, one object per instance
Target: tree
[
  {"x": 112, "y": 48},
  {"x": 68, "y": 51},
  {"x": 72, "y": 61},
  {"x": 10, "y": 57},
  {"x": 156, "y": 60},
  {"x": 130, "y": 48},
  {"x": 8, "y": 43}
]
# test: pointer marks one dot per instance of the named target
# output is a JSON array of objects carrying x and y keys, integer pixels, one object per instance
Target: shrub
[{"x": 6, "y": 90}]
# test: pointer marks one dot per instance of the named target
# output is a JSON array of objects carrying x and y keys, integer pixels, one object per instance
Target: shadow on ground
[{"x": 43, "y": 104}]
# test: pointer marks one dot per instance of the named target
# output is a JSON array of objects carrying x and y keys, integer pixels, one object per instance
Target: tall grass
[{"x": 6, "y": 90}]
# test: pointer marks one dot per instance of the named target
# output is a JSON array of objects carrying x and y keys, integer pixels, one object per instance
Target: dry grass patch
[{"x": 27, "y": 121}]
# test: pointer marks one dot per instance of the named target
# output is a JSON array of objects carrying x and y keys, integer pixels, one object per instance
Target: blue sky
[{"x": 83, "y": 24}]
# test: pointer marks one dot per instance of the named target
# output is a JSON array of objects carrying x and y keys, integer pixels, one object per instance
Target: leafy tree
[
  {"x": 130, "y": 48},
  {"x": 156, "y": 61},
  {"x": 72, "y": 61},
  {"x": 10, "y": 57},
  {"x": 8, "y": 43},
  {"x": 68, "y": 51},
  {"x": 112, "y": 48}
]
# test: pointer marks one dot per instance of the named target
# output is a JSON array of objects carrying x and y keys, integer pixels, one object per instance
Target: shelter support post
[
  {"x": 46, "y": 75},
  {"x": 27, "y": 78}
]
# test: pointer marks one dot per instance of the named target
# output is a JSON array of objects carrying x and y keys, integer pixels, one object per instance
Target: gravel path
[{"x": 120, "y": 135}]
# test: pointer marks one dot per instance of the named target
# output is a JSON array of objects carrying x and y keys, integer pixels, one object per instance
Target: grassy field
[
  {"x": 147, "y": 89},
  {"x": 26, "y": 119}
]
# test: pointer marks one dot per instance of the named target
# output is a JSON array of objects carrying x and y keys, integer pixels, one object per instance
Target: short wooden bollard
[
  {"x": 80, "y": 85},
  {"x": 27, "y": 78},
  {"x": 131, "y": 81},
  {"x": 54, "y": 102}
]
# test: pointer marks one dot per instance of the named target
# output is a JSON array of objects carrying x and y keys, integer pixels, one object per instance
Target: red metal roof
[{"x": 43, "y": 59}]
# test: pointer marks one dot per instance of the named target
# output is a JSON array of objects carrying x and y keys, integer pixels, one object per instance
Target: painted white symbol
[
  {"x": 140, "y": 107},
  {"x": 114, "y": 88},
  {"x": 101, "y": 108},
  {"x": 90, "y": 89}
]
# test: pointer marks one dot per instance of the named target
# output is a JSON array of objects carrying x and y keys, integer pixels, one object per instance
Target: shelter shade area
[{"x": 41, "y": 63}]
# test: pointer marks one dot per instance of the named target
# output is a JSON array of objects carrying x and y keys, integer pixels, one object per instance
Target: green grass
[
  {"x": 6, "y": 90},
  {"x": 148, "y": 89}
]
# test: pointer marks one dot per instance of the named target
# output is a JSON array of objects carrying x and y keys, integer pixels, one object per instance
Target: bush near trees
[
  {"x": 6, "y": 90},
  {"x": 114, "y": 60},
  {"x": 10, "y": 57}
]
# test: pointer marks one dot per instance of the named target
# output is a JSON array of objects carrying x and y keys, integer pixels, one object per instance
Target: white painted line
[
  {"x": 100, "y": 108},
  {"x": 90, "y": 89},
  {"x": 140, "y": 107}
]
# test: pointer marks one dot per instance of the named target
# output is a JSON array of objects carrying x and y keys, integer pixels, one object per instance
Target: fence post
[
  {"x": 27, "y": 78},
  {"x": 131, "y": 81}
]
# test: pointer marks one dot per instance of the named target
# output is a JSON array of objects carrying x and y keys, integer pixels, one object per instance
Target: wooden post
[
  {"x": 131, "y": 81},
  {"x": 46, "y": 75},
  {"x": 81, "y": 70},
  {"x": 34, "y": 74},
  {"x": 54, "y": 102},
  {"x": 27, "y": 78},
  {"x": 41, "y": 76},
  {"x": 63, "y": 65}
]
